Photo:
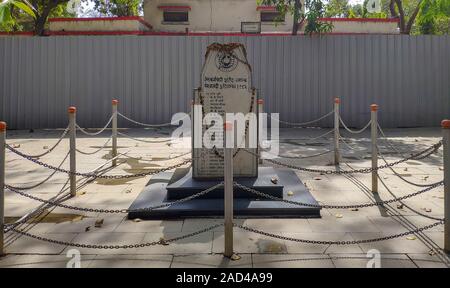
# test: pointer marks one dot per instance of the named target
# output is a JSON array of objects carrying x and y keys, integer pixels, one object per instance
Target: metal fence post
[
  {"x": 446, "y": 143},
  {"x": 228, "y": 190},
  {"x": 114, "y": 131},
  {"x": 73, "y": 150},
  {"x": 337, "y": 101},
  {"x": 2, "y": 185},
  {"x": 260, "y": 111},
  {"x": 374, "y": 135}
]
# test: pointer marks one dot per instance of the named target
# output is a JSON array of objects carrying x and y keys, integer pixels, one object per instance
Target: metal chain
[
  {"x": 98, "y": 132},
  {"x": 347, "y": 242},
  {"x": 54, "y": 146},
  {"x": 407, "y": 206},
  {"x": 147, "y": 125},
  {"x": 303, "y": 123},
  {"x": 141, "y": 140},
  {"x": 354, "y": 131},
  {"x": 385, "y": 138},
  {"x": 95, "y": 151},
  {"x": 114, "y": 211},
  {"x": 43, "y": 181},
  {"x": 126, "y": 246},
  {"x": 401, "y": 177},
  {"x": 343, "y": 172},
  {"x": 325, "y": 206},
  {"x": 92, "y": 174}
]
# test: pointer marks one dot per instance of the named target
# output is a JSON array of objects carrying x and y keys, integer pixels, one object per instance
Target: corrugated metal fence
[{"x": 153, "y": 77}]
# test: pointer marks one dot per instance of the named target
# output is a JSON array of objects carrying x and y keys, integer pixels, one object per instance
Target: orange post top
[
  {"x": 115, "y": 102},
  {"x": 337, "y": 100},
  {"x": 2, "y": 126},
  {"x": 228, "y": 126},
  {"x": 374, "y": 107},
  {"x": 261, "y": 101},
  {"x": 445, "y": 124},
  {"x": 72, "y": 109}
]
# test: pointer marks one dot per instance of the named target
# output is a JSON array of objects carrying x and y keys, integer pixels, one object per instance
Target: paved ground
[{"x": 204, "y": 250}]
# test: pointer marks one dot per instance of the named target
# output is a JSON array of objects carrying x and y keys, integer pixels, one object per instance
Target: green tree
[
  {"x": 10, "y": 10},
  {"x": 118, "y": 7},
  {"x": 32, "y": 16},
  {"x": 337, "y": 8},
  {"x": 307, "y": 12},
  {"x": 341, "y": 8},
  {"x": 434, "y": 17}
]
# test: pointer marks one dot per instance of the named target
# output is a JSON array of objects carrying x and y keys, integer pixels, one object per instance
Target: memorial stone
[{"x": 226, "y": 87}]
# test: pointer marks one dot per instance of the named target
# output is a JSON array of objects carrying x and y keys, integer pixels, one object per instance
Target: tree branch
[
  {"x": 412, "y": 18},
  {"x": 394, "y": 13},
  {"x": 402, "y": 15}
]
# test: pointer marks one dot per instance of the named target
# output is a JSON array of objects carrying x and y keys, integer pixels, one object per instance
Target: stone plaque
[{"x": 226, "y": 87}]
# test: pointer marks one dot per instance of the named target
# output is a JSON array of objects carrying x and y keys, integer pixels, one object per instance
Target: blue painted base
[{"x": 156, "y": 192}]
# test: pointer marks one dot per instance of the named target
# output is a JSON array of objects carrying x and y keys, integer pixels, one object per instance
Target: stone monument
[{"x": 226, "y": 87}]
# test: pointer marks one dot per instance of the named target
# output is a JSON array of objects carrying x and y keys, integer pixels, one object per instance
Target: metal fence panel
[{"x": 153, "y": 77}]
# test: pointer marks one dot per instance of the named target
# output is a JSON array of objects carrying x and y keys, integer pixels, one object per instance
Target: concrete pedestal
[{"x": 170, "y": 186}]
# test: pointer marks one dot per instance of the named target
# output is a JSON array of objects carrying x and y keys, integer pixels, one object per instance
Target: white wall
[
  {"x": 98, "y": 25},
  {"x": 367, "y": 26},
  {"x": 211, "y": 15}
]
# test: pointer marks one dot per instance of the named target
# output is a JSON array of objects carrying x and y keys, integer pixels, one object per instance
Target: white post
[
  {"x": 260, "y": 111},
  {"x": 446, "y": 143},
  {"x": 337, "y": 101},
  {"x": 228, "y": 189},
  {"x": 374, "y": 136},
  {"x": 114, "y": 132},
  {"x": 2, "y": 185},
  {"x": 73, "y": 151}
]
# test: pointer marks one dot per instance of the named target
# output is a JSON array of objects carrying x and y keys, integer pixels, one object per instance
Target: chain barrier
[
  {"x": 92, "y": 174},
  {"x": 303, "y": 123},
  {"x": 325, "y": 206},
  {"x": 401, "y": 177},
  {"x": 95, "y": 151},
  {"x": 347, "y": 242},
  {"x": 141, "y": 140},
  {"x": 43, "y": 181},
  {"x": 148, "y": 125},
  {"x": 98, "y": 132},
  {"x": 354, "y": 131},
  {"x": 162, "y": 241},
  {"x": 407, "y": 206},
  {"x": 54, "y": 146},
  {"x": 343, "y": 172},
  {"x": 113, "y": 211},
  {"x": 385, "y": 138}
]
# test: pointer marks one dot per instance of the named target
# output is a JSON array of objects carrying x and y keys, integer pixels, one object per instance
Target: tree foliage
[
  {"x": 24, "y": 15},
  {"x": 416, "y": 16},
  {"x": 305, "y": 13},
  {"x": 118, "y": 7}
]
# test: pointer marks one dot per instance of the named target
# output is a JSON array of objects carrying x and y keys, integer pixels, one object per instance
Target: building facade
[{"x": 214, "y": 16}]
